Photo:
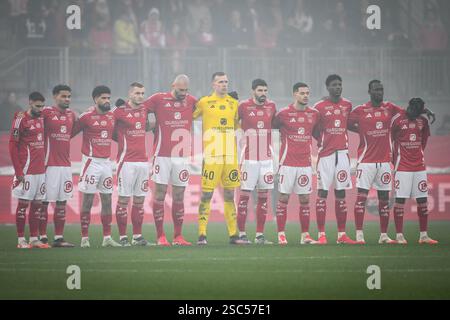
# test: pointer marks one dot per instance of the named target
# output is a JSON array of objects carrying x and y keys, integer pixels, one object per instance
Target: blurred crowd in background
[{"x": 124, "y": 26}]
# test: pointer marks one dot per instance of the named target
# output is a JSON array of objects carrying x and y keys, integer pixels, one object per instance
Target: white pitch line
[
  {"x": 222, "y": 259},
  {"x": 362, "y": 271}
]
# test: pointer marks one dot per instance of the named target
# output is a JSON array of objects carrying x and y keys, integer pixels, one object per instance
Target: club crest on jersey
[
  {"x": 337, "y": 123},
  {"x": 412, "y": 137},
  {"x": 301, "y": 120},
  {"x": 260, "y": 125},
  {"x": 177, "y": 115},
  {"x": 63, "y": 129},
  {"x": 103, "y": 123},
  {"x": 301, "y": 131},
  {"x": 176, "y": 104},
  {"x": 104, "y": 134},
  {"x": 377, "y": 114},
  {"x": 260, "y": 113},
  {"x": 337, "y": 112},
  {"x": 412, "y": 125},
  {"x": 222, "y": 107},
  {"x": 38, "y": 125},
  {"x": 379, "y": 125},
  {"x": 63, "y": 118}
]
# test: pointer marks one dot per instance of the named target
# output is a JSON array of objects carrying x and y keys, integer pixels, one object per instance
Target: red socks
[
  {"x": 85, "y": 219},
  {"x": 341, "y": 214},
  {"x": 281, "y": 215},
  {"x": 399, "y": 210},
  {"x": 21, "y": 217},
  {"x": 304, "y": 217},
  {"x": 121, "y": 218},
  {"x": 177, "y": 217},
  {"x": 106, "y": 223},
  {"x": 383, "y": 209},
  {"x": 242, "y": 210},
  {"x": 321, "y": 211},
  {"x": 59, "y": 219},
  {"x": 422, "y": 211},
  {"x": 43, "y": 220},
  {"x": 34, "y": 216},
  {"x": 360, "y": 207},
  {"x": 158, "y": 215},
  {"x": 261, "y": 211}
]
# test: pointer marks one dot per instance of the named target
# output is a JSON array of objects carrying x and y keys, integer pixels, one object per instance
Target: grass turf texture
[{"x": 222, "y": 271}]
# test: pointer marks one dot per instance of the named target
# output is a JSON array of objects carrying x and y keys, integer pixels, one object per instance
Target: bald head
[{"x": 180, "y": 86}]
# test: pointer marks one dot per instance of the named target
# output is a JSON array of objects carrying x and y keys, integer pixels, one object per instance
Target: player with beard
[
  {"x": 96, "y": 174},
  {"x": 58, "y": 124},
  {"x": 256, "y": 115},
  {"x": 26, "y": 148},
  {"x": 173, "y": 112}
]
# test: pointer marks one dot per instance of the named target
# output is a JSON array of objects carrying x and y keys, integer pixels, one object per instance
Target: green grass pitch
[{"x": 221, "y": 271}]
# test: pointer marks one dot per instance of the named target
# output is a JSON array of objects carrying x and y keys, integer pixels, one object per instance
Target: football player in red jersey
[
  {"x": 132, "y": 164},
  {"x": 410, "y": 132},
  {"x": 173, "y": 112},
  {"x": 297, "y": 122},
  {"x": 26, "y": 148},
  {"x": 256, "y": 162},
  {"x": 58, "y": 124},
  {"x": 96, "y": 174},
  {"x": 333, "y": 164}
]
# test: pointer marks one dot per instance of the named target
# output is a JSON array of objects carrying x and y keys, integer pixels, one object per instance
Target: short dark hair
[
  {"x": 36, "y": 96},
  {"x": 372, "y": 82},
  {"x": 258, "y": 82},
  {"x": 331, "y": 78},
  {"x": 99, "y": 90},
  {"x": 136, "y": 85},
  {"x": 217, "y": 74},
  {"x": 60, "y": 87},
  {"x": 416, "y": 102},
  {"x": 299, "y": 85}
]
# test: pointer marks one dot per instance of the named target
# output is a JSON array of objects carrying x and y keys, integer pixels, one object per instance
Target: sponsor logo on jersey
[
  {"x": 328, "y": 113},
  {"x": 292, "y": 120},
  {"x": 55, "y": 118},
  {"x": 404, "y": 127},
  {"x": 368, "y": 116},
  {"x": 96, "y": 123},
  {"x": 234, "y": 176},
  {"x": 167, "y": 105},
  {"x": 423, "y": 187},
  {"x": 252, "y": 114},
  {"x": 32, "y": 127},
  {"x": 303, "y": 180},
  {"x": 129, "y": 115}
]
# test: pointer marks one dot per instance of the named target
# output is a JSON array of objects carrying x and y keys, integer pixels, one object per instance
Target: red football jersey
[
  {"x": 332, "y": 126},
  {"x": 97, "y": 132},
  {"x": 130, "y": 128},
  {"x": 26, "y": 144},
  {"x": 173, "y": 124},
  {"x": 58, "y": 127},
  {"x": 409, "y": 139},
  {"x": 296, "y": 129},
  {"x": 256, "y": 121},
  {"x": 373, "y": 125}
]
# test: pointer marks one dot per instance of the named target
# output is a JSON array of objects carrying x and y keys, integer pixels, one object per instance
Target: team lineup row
[{"x": 40, "y": 144}]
